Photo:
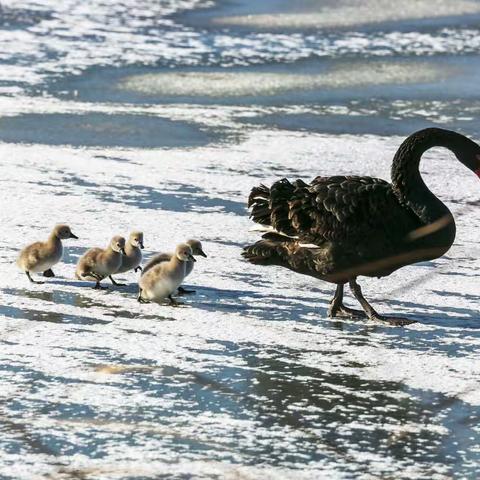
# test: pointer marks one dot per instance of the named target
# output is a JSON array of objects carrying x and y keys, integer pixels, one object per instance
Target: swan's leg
[
  {"x": 372, "y": 314},
  {"x": 99, "y": 287},
  {"x": 31, "y": 279},
  {"x": 48, "y": 273},
  {"x": 338, "y": 310},
  {"x": 115, "y": 282},
  {"x": 184, "y": 291},
  {"x": 136, "y": 269}
]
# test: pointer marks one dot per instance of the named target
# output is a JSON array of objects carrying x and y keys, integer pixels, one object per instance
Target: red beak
[{"x": 477, "y": 171}]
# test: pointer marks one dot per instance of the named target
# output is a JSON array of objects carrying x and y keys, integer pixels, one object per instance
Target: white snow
[{"x": 102, "y": 352}]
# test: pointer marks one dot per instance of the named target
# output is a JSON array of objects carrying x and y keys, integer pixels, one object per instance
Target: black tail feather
[
  {"x": 263, "y": 252},
  {"x": 270, "y": 206},
  {"x": 259, "y": 202},
  {"x": 281, "y": 193}
]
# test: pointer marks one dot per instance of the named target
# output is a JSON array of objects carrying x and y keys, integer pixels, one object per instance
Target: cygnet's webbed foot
[
  {"x": 341, "y": 311},
  {"x": 184, "y": 291},
  {"x": 140, "y": 299},
  {"x": 173, "y": 302},
  {"x": 32, "y": 280},
  {"x": 99, "y": 287},
  {"x": 138, "y": 269},
  {"x": 48, "y": 273},
  {"x": 117, "y": 284}
]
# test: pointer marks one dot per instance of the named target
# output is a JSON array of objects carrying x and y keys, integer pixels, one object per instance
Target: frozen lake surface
[{"x": 117, "y": 116}]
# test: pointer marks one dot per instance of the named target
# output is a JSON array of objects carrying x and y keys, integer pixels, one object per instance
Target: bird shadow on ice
[
  {"x": 61, "y": 297},
  {"x": 442, "y": 316},
  {"x": 47, "y": 316},
  {"x": 258, "y": 305}
]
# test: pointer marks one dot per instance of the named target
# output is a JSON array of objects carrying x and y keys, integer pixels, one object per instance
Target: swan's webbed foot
[
  {"x": 117, "y": 284},
  {"x": 32, "y": 280},
  {"x": 48, "y": 273},
  {"x": 184, "y": 291},
  {"x": 342, "y": 311},
  {"x": 396, "y": 321},
  {"x": 372, "y": 314}
]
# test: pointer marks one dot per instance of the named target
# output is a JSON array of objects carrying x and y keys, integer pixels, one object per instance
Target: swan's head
[
  {"x": 136, "y": 239},
  {"x": 196, "y": 246},
  {"x": 184, "y": 253},
  {"x": 117, "y": 244},
  {"x": 63, "y": 232}
]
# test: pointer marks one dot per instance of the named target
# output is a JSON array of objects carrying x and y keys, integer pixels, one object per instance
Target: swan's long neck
[{"x": 409, "y": 186}]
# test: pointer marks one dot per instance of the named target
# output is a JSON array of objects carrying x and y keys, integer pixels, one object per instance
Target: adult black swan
[{"x": 337, "y": 228}]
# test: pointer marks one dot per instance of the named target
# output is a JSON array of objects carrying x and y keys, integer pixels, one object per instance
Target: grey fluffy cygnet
[
  {"x": 97, "y": 263},
  {"x": 42, "y": 256},
  {"x": 161, "y": 281},
  {"x": 197, "y": 250},
  {"x": 133, "y": 254}
]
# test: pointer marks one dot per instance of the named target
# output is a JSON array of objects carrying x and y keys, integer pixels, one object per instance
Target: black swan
[{"x": 337, "y": 228}]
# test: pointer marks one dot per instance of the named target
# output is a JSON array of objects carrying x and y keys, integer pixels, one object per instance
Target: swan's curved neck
[{"x": 407, "y": 182}]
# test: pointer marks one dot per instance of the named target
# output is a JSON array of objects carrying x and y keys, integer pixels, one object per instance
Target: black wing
[{"x": 339, "y": 209}]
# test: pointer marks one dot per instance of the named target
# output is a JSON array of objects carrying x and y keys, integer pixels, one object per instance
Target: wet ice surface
[
  {"x": 250, "y": 376},
  {"x": 116, "y": 116}
]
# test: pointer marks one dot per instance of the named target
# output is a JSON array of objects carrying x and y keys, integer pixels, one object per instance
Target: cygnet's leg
[
  {"x": 48, "y": 273},
  {"x": 140, "y": 299},
  {"x": 136, "y": 269},
  {"x": 116, "y": 283},
  {"x": 173, "y": 302},
  {"x": 98, "y": 279},
  {"x": 32, "y": 280},
  {"x": 184, "y": 291}
]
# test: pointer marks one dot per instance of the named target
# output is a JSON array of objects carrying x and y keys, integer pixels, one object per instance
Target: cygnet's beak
[
  {"x": 202, "y": 253},
  {"x": 73, "y": 236},
  {"x": 191, "y": 258},
  {"x": 123, "y": 251},
  {"x": 141, "y": 245}
]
